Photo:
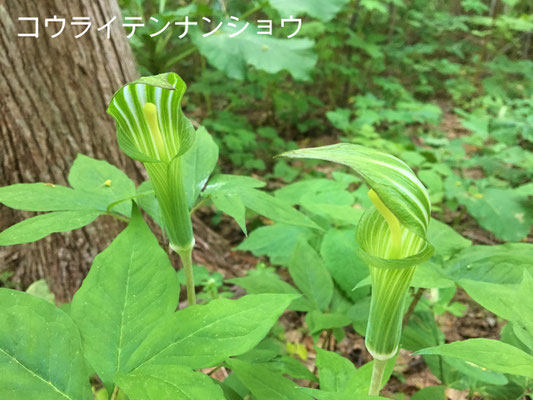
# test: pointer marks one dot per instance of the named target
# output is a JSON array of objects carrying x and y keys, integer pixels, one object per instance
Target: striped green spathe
[
  {"x": 152, "y": 128},
  {"x": 135, "y": 138},
  {"x": 391, "y": 254}
]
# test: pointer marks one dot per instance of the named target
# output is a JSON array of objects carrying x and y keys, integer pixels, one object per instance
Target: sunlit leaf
[{"x": 233, "y": 54}]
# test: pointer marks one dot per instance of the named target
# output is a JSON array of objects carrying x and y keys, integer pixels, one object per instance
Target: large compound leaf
[
  {"x": 96, "y": 186},
  {"x": 168, "y": 382},
  {"x": 40, "y": 351},
  {"x": 324, "y": 10},
  {"x": 233, "y": 54},
  {"x": 130, "y": 287}
]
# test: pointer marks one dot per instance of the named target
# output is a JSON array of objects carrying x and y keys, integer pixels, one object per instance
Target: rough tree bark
[{"x": 54, "y": 93}]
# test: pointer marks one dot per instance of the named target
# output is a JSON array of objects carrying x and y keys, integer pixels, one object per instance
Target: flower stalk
[{"x": 152, "y": 128}]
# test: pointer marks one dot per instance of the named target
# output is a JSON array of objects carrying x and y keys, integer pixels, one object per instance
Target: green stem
[
  {"x": 118, "y": 216},
  {"x": 180, "y": 57},
  {"x": 253, "y": 10},
  {"x": 115, "y": 203},
  {"x": 214, "y": 370},
  {"x": 186, "y": 260},
  {"x": 162, "y": 4},
  {"x": 377, "y": 377},
  {"x": 199, "y": 205},
  {"x": 412, "y": 306},
  {"x": 115, "y": 393}
]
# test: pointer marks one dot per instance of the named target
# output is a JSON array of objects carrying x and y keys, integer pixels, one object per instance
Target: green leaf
[
  {"x": 335, "y": 206},
  {"x": 36, "y": 228},
  {"x": 198, "y": 163},
  {"x": 223, "y": 183},
  {"x": 41, "y": 290},
  {"x": 501, "y": 212},
  {"x": 290, "y": 366},
  {"x": 476, "y": 373},
  {"x": 95, "y": 185},
  {"x": 311, "y": 276},
  {"x": 431, "y": 275},
  {"x": 168, "y": 382},
  {"x": 325, "y": 395},
  {"x": 103, "y": 182},
  {"x": 339, "y": 250},
  {"x": 202, "y": 336},
  {"x": 264, "y": 384},
  {"x": 277, "y": 242},
  {"x": 487, "y": 353},
  {"x": 148, "y": 202},
  {"x": 262, "y": 203},
  {"x": 317, "y": 321},
  {"x": 129, "y": 289},
  {"x": 40, "y": 351},
  {"x": 507, "y": 301},
  {"x": 395, "y": 183},
  {"x": 497, "y": 298},
  {"x": 421, "y": 331},
  {"x": 446, "y": 241},
  {"x": 264, "y": 281},
  {"x": 41, "y": 197},
  {"x": 232, "y": 205},
  {"x": 233, "y": 54},
  {"x": 360, "y": 381},
  {"x": 334, "y": 371},
  {"x": 324, "y": 11},
  {"x": 292, "y": 194},
  {"x": 430, "y": 393},
  {"x": 274, "y": 209},
  {"x": 497, "y": 264}
]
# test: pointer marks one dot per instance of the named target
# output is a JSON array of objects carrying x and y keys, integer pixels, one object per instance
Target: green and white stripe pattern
[
  {"x": 391, "y": 234},
  {"x": 135, "y": 137},
  {"x": 152, "y": 128}
]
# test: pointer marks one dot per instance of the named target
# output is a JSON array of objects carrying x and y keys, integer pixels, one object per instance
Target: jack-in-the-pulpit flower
[
  {"x": 391, "y": 237},
  {"x": 152, "y": 128}
]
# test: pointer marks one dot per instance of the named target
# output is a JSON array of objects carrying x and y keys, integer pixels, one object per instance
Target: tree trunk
[{"x": 54, "y": 95}]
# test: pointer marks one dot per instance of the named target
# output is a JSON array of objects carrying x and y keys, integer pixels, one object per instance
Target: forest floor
[{"x": 476, "y": 322}]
